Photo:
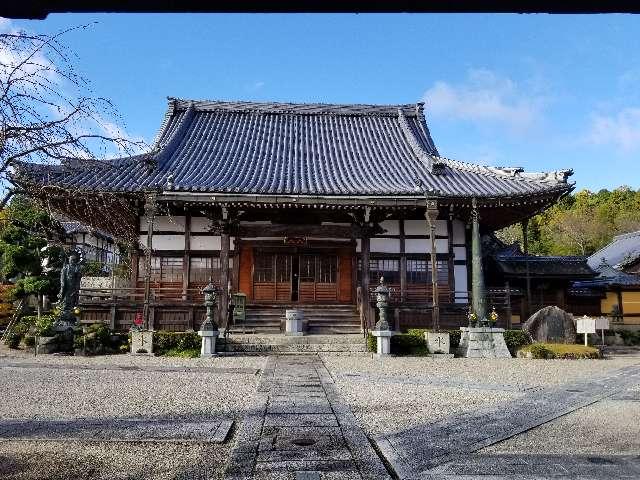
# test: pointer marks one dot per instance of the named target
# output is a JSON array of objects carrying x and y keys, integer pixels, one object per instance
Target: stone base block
[
  {"x": 483, "y": 342},
  {"x": 383, "y": 341},
  {"x": 141, "y": 342},
  {"x": 437, "y": 342}
]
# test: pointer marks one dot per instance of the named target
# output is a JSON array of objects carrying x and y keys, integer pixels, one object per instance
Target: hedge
[
  {"x": 516, "y": 339},
  {"x": 559, "y": 350},
  {"x": 163, "y": 342}
]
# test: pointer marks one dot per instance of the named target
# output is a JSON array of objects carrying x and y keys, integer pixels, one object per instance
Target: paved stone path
[
  {"x": 419, "y": 451},
  {"x": 300, "y": 429}
]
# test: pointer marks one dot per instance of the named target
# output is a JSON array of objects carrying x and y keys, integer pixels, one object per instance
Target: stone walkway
[
  {"x": 300, "y": 429},
  {"x": 426, "y": 451}
]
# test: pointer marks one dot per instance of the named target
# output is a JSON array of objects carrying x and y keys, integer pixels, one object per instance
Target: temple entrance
[{"x": 297, "y": 277}]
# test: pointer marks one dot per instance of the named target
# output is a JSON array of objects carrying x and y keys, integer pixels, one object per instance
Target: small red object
[{"x": 138, "y": 319}]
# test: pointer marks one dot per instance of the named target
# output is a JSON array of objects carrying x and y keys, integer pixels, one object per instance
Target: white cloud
[
  {"x": 621, "y": 130},
  {"x": 486, "y": 97}
]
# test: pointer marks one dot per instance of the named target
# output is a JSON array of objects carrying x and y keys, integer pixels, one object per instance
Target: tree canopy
[{"x": 581, "y": 223}]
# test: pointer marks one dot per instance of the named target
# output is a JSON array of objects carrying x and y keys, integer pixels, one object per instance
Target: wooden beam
[
  {"x": 365, "y": 250},
  {"x": 403, "y": 264},
  {"x": 284, "y": 230},
  {"x": 223, "y": 307}
]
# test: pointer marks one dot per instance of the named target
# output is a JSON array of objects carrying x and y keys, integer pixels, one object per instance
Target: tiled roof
[
  {"x": 623, "y": 250},
  {"x": 71, "y": 227},
  {"x": 611, "y": 277},
  {"x": 305, "y": 149},
  {"x": 549, "y": 266}
]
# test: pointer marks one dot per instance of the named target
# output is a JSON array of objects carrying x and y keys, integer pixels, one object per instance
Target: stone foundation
[{"x": 483, "y": 342}]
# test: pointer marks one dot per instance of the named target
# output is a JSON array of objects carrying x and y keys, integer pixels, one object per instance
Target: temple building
[{"x": 291, "y": 204}]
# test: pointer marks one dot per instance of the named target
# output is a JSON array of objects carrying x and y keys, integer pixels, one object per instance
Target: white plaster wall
[
  {"x": 419, "y": 227},
  {"x": 392, "y": 227},
  {"x": 386, "y": 245},
  {"x": 200, "y": 224},
  {"x": 164, "y": 223},
  {"x": 164, "y": 242},
  {"x": 460, "y": 253},
  {"x": 423, "y": 245},
  {"x": 202, "y": 242},
  {"x": 458, "y": 231},
  {"x": 460, "y": 276}
]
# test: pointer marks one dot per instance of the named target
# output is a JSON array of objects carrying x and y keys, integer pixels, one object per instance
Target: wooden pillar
[
  {"x": 508, "y": 312},
  {"x": 366, "y": 303},
  {"x": 186, "y": 263},
  {"x": 450, "y": 268},
  {"x": 403, "y": 265},
  {"x": 525, "y": 244},
  {"x": 150, "y": 213},
  {"x": 224, "y": 279}
]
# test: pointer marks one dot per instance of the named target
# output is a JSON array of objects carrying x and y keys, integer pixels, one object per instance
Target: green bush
[
  {"x": 12, "y": 340},
  {"x": 371, "y": 343},
  {"x": 539, "y": 350},
  {"x": 29, "y": 341},
  {"x": 187, "y": 353},
  {"x": 165, "y": 341},
  {"x": 44, "y": 326},
  {"x": 408, "y": 344},
  {"x": 629, "y": 337},
  {"x": 516, "y": 339},
  {"x": 96, "y": 339},
  {"x": 561, "y": 350}
]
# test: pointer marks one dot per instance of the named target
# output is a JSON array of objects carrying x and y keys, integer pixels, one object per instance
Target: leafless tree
[{"x": 48, "y": 111}]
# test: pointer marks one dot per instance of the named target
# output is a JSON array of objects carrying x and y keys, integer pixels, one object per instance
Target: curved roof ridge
[
  {"x": 164, "y": 151},
  {"x": 518, "y": 173},
  {"x": 417, "y": 149},
  {"x": 297, "y": 108}
]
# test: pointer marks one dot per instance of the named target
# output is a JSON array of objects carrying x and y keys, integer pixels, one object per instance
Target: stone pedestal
[
  {"x": 46, "y": 345},
  {"x": 208, "y": 348},
  {"x": 383, "y": 341},
  {"x": 294, "y": 321},
  {"x": 483, "y": 342},
  {"x": 437, "y": 342},
  {"x": 142, "y": 342}
]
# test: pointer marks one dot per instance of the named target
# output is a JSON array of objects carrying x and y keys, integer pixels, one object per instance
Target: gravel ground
[
  {"x": 393, "y": 394},
  {"x": 607, "y": 427},
  {"x": 515, "y": 372},
  {"x": 41, "y": 393}
]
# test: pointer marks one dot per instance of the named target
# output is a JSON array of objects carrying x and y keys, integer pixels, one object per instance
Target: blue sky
[{"x": 537, "y": 91}]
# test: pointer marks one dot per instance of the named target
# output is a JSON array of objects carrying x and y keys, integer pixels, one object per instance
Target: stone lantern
[
  {"x": 209, "y": 328},
  {"x": 382, "y": 332}
]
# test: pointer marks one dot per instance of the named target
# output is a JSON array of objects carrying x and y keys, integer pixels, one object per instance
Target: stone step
[{"x": 293, "y": 348}]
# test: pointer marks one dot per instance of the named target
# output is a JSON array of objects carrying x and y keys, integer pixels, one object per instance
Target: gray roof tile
[{"x": 283, "y": 148}]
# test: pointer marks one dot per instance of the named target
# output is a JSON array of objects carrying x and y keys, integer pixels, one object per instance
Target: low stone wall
[{"x": 104, "y": 282}]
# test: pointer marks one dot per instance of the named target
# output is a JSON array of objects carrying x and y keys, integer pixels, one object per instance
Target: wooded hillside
[{"x": 581, "y": 223}]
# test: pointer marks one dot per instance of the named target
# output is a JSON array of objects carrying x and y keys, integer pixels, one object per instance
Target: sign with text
[
  {"x": 586, "y": 325},
  {"x": 602, "y": 323}
]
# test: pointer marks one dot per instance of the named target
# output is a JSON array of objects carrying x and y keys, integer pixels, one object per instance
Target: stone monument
[
  {"x": 209, "y": 329},
  {"x": 382, "y": 331},
  {"x": 551, "y": 324}
]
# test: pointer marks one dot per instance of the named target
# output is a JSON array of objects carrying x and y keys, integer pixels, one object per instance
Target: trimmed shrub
[
  {"x": 29, "y": 341},
  {"x": 187, "y": 353},
  {"x": 408, "y": 344},
  {"x": 540, "y": 350},
  {"x": 165, "y": 341},
  {"x": 96, "y": 340},
  {"x": 629, "y": 337},
  {"x": 12, "y": 340},
  {"x": 516, "y": 339},
  {"x": 560, "y": 350},
  {"x": 371, "y": 343}
]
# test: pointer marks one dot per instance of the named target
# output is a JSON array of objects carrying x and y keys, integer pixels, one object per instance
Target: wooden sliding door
[{"x": 272, "y": 277}]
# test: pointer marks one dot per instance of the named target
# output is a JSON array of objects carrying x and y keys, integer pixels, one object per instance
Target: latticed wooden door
[
  {"x": 272, "y": 277},
  {"x": 318, "y": 278}
]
